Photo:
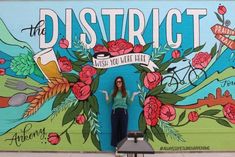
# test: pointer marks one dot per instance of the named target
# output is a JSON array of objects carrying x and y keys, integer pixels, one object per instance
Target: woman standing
[{"x": 120, "y": 98}]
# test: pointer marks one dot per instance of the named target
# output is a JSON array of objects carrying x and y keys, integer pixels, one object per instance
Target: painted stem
[
  {"x": 177, "y": 125},
  {"x": 67, "y": 128}
]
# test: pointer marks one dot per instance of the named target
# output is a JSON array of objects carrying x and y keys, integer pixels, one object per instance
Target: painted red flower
[
  {"x": 229, "y": 112},
  {"x": 193, "y": 116},
  {"x": 85, "y": 78},
  {"x": 152, "y": 110},
  {"x": 222, "y": 10},
  {"x": 100, "y": 48},
  {"x": 152, "y": 79},
  {"x": 64, "y": 43},
  {"x": 167, "y": 113},
  {"x": 175, "y": 54},
  {"x": 53, "y": 138},
  {"x": 65, "y": 64},
  {"x": 2, "y": 72},
  {"x": 201, "y": 60},
  {"x": 89, "y": 70},
  {"x": 2, "y": 60},
  {"x": 138, "y": 48},
  {"x": 119, "y": 47},
  {"x": 81, "y": 90},
  {"x": 80, "y": 119}
]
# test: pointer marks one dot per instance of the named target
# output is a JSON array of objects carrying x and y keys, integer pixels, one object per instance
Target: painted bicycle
[{"x": 173, "y": 81}]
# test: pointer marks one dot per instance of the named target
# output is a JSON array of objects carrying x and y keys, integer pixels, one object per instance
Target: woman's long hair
[{"x": 123, "y": 89}]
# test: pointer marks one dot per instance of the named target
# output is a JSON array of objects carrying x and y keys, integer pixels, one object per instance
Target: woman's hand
[
  {"x": 106, "y": 94},
  {"x": 134, "y": 94}
]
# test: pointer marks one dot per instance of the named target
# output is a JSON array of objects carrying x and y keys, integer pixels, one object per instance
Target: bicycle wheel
[
  {"x": 196, "y": 76},
  {"x": 171, "y": 84}
]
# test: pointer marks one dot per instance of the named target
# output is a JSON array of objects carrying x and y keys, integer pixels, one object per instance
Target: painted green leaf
[
  {"x": 142, "y": 123},
  {"x": 94, "y": 84},
  {"x": 149, "y": 134},
  {"x": 169, "y": 98},
  {"x": 141, "y": 103},
  {"x": 146, "y": 46},
  {"x": 142, "y": 75},
  {"x": 105, "y": 43},
  {"x": 80, "y": 57},
  {"x": 146, "y": 137},
  {"x": 23, "y": 65},
  {"x": 86, "y": 107},
  {"x": 211, "y": 112},
  {"x": 164, "y": 66},
  {"x": 181, "y": 117},
  {"x": 159, "y": 134},
  {"x": 140, "y": 68},
  {"x": 223, "y": 122},
  {"x": 76, "y": 67},
  {"x": 68, "y": 137},
  {"x": 72, "y": 113},
  {"x": 94, "y": 104},
  {"x": 72, "y": 78},
  {"x": 218, "y": 17},
  {"x": 101, "y": 71},
  {"x": 86, "y": 130},
  {"x": 158, "y": 62},
  {"x": 196, "y": 49},
  {"x": 60, "y": 98},
  {"x": 187, "y": 52},
  {"x": 95, "y": 141},
  {"x": 79, "y": 63},
  {"x": 214, "y": 50},
  {"x": 156, "y": 90}
]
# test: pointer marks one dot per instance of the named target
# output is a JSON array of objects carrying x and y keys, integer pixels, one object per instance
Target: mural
[{"x": 180, "y": 57}]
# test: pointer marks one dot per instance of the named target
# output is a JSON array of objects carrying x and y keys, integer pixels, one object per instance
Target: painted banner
[{"x": 58, "y": 57}]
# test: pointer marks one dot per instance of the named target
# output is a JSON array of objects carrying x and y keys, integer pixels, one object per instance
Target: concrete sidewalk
[{"x": 57, "y": 154}]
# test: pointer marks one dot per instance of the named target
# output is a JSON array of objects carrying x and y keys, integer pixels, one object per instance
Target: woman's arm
[
  {"x": 107, "y": 96},
  {"x": 134, "y": 94},
  {"x": 131, "y": 99}
]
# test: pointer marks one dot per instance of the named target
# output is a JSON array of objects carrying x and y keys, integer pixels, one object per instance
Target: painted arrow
[{"x": 220, "y": 32}]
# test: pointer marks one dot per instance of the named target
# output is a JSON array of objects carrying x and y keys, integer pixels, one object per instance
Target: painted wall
[{"x": 179, "y": 56}]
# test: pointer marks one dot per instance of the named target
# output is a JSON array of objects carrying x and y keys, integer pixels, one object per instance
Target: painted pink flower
[
  {"x": 229, "y": 112},
  {"x": 85, "y": 78},
  {"x": 53, "y": 138},
  {"x": 100, "y": 48},
  {"x": 81, "y": 91},
  {"x": 201, "y": 60},
  {"x": 2, "y": 60},
  {"x": 167, "y": 113},
  {"x": 138, "y": 48},
  {"x": 80, "y": 119},
  {"x": 152, "y": 79},
  {"x": 193, "y": 116},
  {"x": 119, "y": 47},
  {"x": 64, "y": 43},
  {"x": 175, "y": 54},
  {"x": 2, "y": 72},
  {"x": 222, "y": 10},
  {"x": 65, "y": 64},
  {"x": 89, "y": 70},
  {"x": 152, "y": 110}
]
